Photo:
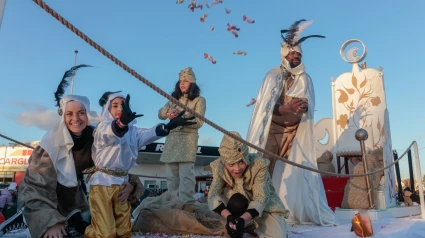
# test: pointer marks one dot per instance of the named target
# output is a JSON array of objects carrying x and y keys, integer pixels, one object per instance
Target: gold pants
[
  {"x": 280, "y": 142},
  {"x": 110, "y": 218}
]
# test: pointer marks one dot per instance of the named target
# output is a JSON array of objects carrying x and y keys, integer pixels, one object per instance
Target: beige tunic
[
  {"x": 281, "y": 136},
  {"x": 257, "y": 187},
  {"x": 181, "y": 144}
]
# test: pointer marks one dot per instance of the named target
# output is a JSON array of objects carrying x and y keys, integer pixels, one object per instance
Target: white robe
[
  {"x": 301, "y": 191},
  {"x": 117, "y": 153}
]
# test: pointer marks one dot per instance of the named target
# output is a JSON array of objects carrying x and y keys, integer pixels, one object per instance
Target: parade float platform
[{"x": 411, "y": 226}]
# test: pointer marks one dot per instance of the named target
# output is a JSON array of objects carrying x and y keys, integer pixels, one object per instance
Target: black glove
[
  {"x": 230, "y": 231},
  {"x": 127, "y": 115},
  {"x": 240, "y": 227},
  {"x": 179, "y": 121}
]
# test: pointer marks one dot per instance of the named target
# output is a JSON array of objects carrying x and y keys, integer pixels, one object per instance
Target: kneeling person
[{"x": 242, "y": 191}]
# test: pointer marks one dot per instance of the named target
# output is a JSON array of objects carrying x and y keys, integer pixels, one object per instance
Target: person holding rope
[
  {"x": 176, "y": 211},
  {"x": 115, "y": 149},
  {"x": 51, "y": 198},
  {"x": 181, "y": 145},
  {"x": 242, "y": 192},
  {"x": 282, "y": 123}
]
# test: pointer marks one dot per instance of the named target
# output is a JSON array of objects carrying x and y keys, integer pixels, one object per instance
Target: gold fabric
[
  {"x": 281, "y": 136},
  {"x": 188, "y": 74},
  {"x": 355, "y": 191},
  {"x": 110, "y": 218},
  {"x": 283, "y": 100},
  {"x": 362, "y": 225},
  {"x": 181, "y": 144},
  {"x": 192, "y": 220},
  {"x": 231, "y": 150},
  {"x": 94, "y": 169},
  {"x": 255, "y": 185}
]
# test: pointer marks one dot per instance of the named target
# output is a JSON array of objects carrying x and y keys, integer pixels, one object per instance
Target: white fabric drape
[{"x": 301, "y": 191}]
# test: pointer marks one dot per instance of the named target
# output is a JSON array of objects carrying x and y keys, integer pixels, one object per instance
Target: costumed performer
[
  {"x": 282, "y": 123},
  {"x": 242, "y": 192},
  {"x": 115, "y": 149},
  {"x": 181, "y": 145},
  {"x": 51, "y": 196}
]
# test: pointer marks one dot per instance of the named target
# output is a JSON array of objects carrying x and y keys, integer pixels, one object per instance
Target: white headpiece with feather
[
  {"x": 292, "y": 38},
  {"x": 292, "y": 42},
  {"x": 57, "y": 142}
]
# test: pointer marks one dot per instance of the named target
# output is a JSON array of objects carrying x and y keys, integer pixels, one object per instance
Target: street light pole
[{"x": 75, "y": 63}]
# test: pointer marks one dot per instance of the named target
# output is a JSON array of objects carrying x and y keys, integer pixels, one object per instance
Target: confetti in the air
[
  {"x": 204, "y": 17},
  {"x": 239, "y": 52},
  {"x": 193, "y": 5},
  {"x": 216, "y": 2},
  {"x": 247, "y": 19},
  {"x": 210, "y": 58}
]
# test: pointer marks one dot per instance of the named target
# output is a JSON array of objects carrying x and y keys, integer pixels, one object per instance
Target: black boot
[
  {"x": 76, "y": 224},
  {"x": 16, "y": 222}
]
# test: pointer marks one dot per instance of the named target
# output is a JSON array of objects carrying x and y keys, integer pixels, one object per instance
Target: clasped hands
[
  {"x": 235, "y": 226},
  {"x": 172, "y": 113},
  {"x": 298, "y": 105}
]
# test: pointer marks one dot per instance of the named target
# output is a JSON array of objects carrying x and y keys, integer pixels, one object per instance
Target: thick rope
[
  {"x": 314, "y": 170},
  {"x": 175, "y": 101},
  {"x": 17, "y": 142}
]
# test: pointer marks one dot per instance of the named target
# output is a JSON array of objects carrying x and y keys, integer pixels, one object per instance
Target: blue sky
[{"x": 159, "y": 39}]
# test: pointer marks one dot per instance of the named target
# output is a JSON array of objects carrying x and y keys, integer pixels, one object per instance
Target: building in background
[
  {"x": 14, "y": 162},
  {"x": 152, "y": 171}
]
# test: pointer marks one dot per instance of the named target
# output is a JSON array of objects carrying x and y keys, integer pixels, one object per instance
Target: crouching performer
[{"x": 242, "y": 192}]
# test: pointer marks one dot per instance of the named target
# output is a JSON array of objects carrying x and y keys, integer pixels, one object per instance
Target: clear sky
[{"x": 159, "y": 38}]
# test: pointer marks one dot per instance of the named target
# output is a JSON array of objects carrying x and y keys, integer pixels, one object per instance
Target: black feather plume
[
  {"x": 104, "y": 99},
  {"x": 289, "y": 37},
  {"x": 293, "y": 29},
  {"x": 306, "y": 37},
  {"x": 65, "y": 82},
  {"x": 290, "y": 33}
]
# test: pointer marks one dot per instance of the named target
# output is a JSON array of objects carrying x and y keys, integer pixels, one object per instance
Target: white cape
[{"x": 301, "y": 191}]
